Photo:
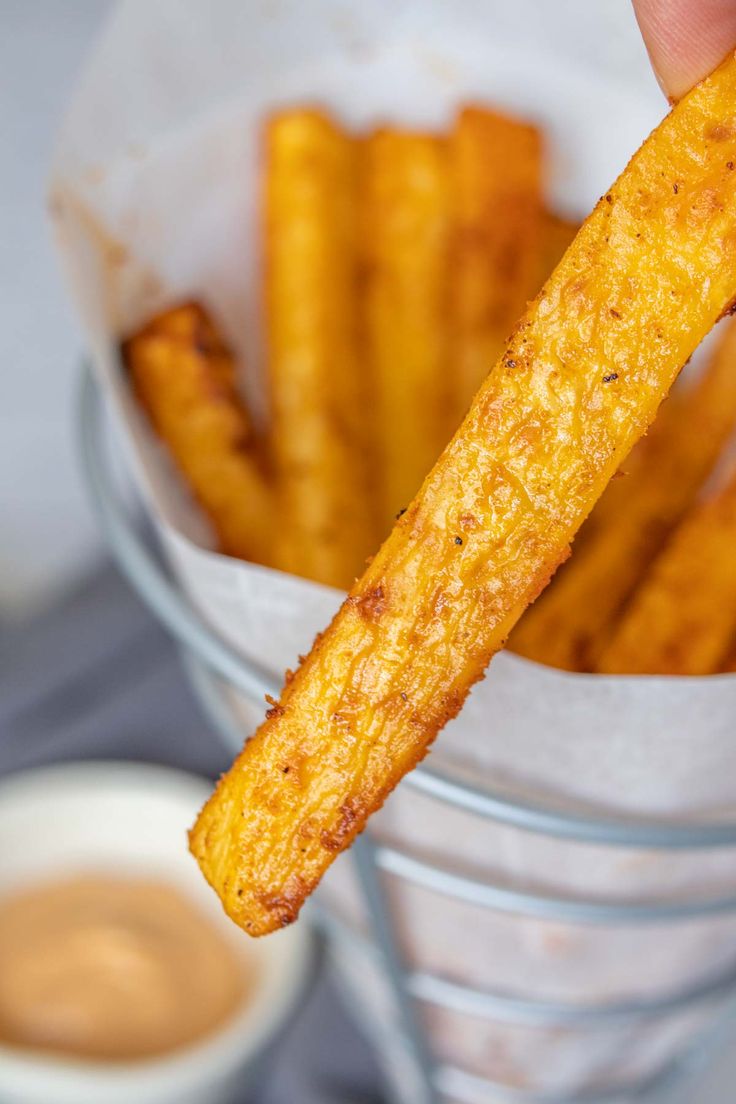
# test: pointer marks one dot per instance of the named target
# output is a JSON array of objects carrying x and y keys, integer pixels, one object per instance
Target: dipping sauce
[{"x": 112, "y": 968}]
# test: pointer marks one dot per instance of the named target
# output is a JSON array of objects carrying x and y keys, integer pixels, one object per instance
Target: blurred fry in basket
[
  {"x": 496, "y": 172},
  {"x": 572, "y": 621},
  {"x": 404, "y": 250},
  {"x": 729, "y": 665},
  {"x": 317, "y": 381},
  {"x": 557, "y": 234},
  {"x": 184, "y": 377},
  {"x": 682, "y": 618}
]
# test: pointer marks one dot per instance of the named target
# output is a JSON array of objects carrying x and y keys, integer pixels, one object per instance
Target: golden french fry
[
  {"x": 405, "y": 227},
  {"x": 556, "y": 235},
  {"x": 496, "y": 174},
  {"x": 572, "y": 622},
  {"x": 682, "y": 618},
  {"x": 729, "y": 666},
  {"x": 579, "y": 381},
  {"x": 316, "y": 379},
  {"x": 184, "y": 377}
]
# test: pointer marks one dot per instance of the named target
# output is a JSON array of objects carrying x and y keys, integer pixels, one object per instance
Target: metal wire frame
[{"x": 209, "y": 659}]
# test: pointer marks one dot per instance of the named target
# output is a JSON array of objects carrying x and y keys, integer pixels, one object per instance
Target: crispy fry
[
  {"x": 316, "y": 381},
  {"x": 556, "y": 235},
  {"x": 578, "y": 383},
  {"x": 405, "y": 229},
  {"x": 496, "y": 171},
  {"x": 573, "y": 620},
  {"x": 729, "y": 666},
  {"x": 184, "y": 377},
  {"x": 682, "y": 618}
]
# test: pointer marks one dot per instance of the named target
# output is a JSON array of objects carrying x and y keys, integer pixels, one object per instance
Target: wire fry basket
[{"x": 397, "y": 1026}]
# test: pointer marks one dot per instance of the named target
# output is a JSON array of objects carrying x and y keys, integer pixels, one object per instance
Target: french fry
[
  {"x": 556, "y": 236},
  {"x": 579, "y": 381},
  {"x": 405, "y": 228},
  {"x": 729, "y": 666},
  {"x": 184, "y": 377},
  {"x": 496, "y": 171},
  {"x": 571, "y": 623},
  {"x": 682, "y": 619},
  {"x": 318, "y": 403}
]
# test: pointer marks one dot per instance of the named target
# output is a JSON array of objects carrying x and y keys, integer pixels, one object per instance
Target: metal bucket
[{"x": 414, "y": 1074}]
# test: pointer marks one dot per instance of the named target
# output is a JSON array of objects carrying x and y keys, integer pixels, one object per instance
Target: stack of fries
[{"x": 395, "y": 266}]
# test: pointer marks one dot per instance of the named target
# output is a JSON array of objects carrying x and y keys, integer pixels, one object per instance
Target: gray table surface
[{"x": 94, "y": 677}]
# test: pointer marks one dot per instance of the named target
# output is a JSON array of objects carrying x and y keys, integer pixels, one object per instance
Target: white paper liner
[{"x": 154, "y": 197}]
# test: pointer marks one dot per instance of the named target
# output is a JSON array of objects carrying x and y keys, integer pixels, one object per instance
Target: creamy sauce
[{"x": 112, "y": 968}]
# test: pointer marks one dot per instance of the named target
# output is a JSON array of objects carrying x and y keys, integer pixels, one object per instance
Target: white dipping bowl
[{"x": 128, "y": 819}]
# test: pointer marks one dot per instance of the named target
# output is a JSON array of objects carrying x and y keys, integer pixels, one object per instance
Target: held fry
[
  {"x": 579, "y": 382},
  {"x": 573, "y": 620}
]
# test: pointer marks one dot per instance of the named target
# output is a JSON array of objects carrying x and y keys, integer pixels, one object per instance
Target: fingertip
[{"x": 686, "y": 39}]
